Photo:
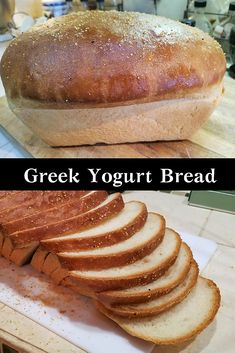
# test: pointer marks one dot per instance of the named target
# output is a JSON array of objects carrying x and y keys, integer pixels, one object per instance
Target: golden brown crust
[
  {"x": 50, "y": 264},
  {"x": 93, "y": 262},
  {"x": 22, "y": 256},
  {"x": 23, "y": 203},
  {"x": 116, "y": 297},
  {"x": 59, "y": 203},
  {"x": 76, "y": 205},
  {"x": 70, "y": 225},
  {"x": 130, "y": 310},
  {"x": 1, "y": 242},
  {"x": 39, "y": 258},
  {"x": 104, "y": 239},
  {"x": 59, "y": 275},
  {"x": 67, "y": 283},
  {"x": 4, "y": 194},
  {"x": 12, "y": 199},
  {"x": 106, "y": 58},
  {"x": 7, "y": 248}
]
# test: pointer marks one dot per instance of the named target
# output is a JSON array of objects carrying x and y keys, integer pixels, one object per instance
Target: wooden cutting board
[{"x": 215, "y": 139}]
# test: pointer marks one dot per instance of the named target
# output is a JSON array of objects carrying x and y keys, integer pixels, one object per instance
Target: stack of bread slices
[{"x": 139, "y": 273}]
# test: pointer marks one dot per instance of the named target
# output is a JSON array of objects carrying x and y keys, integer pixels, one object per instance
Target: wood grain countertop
[
  {"x": 25, "y": 335},
  {"x": 215, "y": 139}
]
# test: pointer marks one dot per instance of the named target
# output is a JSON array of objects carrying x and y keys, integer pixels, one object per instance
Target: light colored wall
[
  {"x": 169, "y": 8},
  {"x": 172, "y": 8},
  {"x": 139, "y": 5},
  {"x": 31, "y": 7}
]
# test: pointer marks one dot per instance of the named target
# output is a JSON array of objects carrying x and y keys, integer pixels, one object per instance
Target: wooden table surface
[
  {"x": 24, "y": 334},
  {"x": 215, "y": 139}
]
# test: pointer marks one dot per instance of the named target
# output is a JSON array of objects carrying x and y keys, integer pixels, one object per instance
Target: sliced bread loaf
[
  {"x": 22, "y": 203},
  {"x": 120, "y": 227},
  {"x": 72, "y": 208},
  {"x": 178, "y": 324},
  {"x": 83, "y": 201},
  {"x": 110, "y": 207},
  {"x": 140, "y": 272},
  {"x": 160, "y": 304},
  {"x": 130, "y": 250},
  {"x": 41, "y": 200},
  {"x": 162, "y": 285}
]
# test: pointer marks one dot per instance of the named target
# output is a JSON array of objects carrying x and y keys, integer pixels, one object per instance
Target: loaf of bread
[
  {"x": 138, "y": 272},
  {"x": 112, "y": 77},
  {"x": 30, "y": 212}
]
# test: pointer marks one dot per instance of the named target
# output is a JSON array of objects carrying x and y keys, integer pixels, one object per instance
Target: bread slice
[
  {"x": 120, "y": 227},
  {"x": 19, "y": 256},
  {"x": 130, "y": 250},
  {"x": 50, "y": 264},
  {"x": 171, "y": 279},
  {"x": 73, "y": 207},
  {"x": 22, "y": 256},
  {"x": 39, "y": 258},
  {"x": 160, "y": 304},
  {"x": 113, "y": 230},
  {"x": 178, "y": 324},
  {"x": 58, "y": 276},
  {"x": 41, "y": 200},
  {"x": 1, "y": 242},
  {"x": 110, "y": 207},
  {"x": 140, "y": 272},
  {"x": 7, "y": 247}
]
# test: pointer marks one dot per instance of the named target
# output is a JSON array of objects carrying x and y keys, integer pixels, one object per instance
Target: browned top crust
[{"x": 97, "y": 57}]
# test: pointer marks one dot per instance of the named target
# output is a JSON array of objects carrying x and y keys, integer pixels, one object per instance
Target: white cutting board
[{"x": 71, "y": 316}]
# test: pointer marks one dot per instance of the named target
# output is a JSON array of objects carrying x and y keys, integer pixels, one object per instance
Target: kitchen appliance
[
  {"x": 199, "y": 16},
  {"x": 7, "y": 8},
  {"x": 55, "y": 7}
]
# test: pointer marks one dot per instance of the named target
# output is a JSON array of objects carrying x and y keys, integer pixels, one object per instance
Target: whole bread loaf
[{"x": 112, "y": 77}]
